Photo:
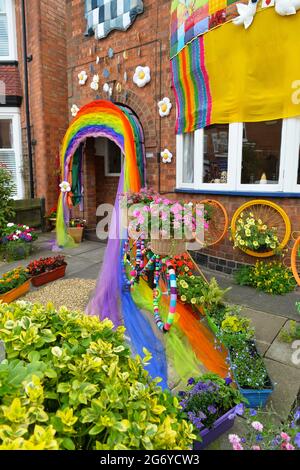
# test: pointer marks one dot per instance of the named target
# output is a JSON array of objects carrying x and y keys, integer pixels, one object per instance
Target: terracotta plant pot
[
  {"x": 14, "y": 294},
  {"x": 49, "y": 276},
  {"x": 76, "y": 233}
]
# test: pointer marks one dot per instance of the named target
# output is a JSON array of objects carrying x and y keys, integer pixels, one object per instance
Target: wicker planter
[
  {"x": 14, "y": 294},
  {"x": 76, "y": 233},
  {"x": 222, "y": 425},
  {"x": 169, "y": 247},
  {"x": 48, "y": 276}
]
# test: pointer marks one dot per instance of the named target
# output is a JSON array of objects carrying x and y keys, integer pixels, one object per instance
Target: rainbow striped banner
[{"x": 191, "y": 88}]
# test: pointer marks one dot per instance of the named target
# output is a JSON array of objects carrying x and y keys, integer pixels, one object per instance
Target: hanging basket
[{"x": 169, "y": 248}]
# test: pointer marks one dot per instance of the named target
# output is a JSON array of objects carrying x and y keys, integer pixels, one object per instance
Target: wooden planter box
[
  {"x": 222, "y": 425},
  {"x": 76, "y": 233},
  {"x": 14, "y": 294},
  {"x": 49, "y": 276}
]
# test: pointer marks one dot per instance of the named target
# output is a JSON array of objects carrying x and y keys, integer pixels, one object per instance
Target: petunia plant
[{"x": 254, "y": 234}]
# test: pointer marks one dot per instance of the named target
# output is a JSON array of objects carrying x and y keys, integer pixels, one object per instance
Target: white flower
[
  {"x": 15, "y": 237},
  {"x": 82, "y": 77},
  {"x": 18, "y": 232},
  {"x": 97, "y": 60},
  {"x": 10, "y": 225},
  {"x": 74, "y": 110},
  {"x": 65, "y": 187},
  {"x": 257, "y": 426},
  {"x": 166, "y": 156},
  {"x": 96, "y": 78},
  {"x": 106, "y": 87},
  {"x": 110, "y": 91},
  {"x": 164, "y": 107},
  {"x": 141, "y": 76},
  {"x": 95, "y": 86},
  {"x": 246, "y": 14}
]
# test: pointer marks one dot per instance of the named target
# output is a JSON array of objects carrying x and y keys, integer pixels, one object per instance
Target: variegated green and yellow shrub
[{"x": 69, "y": 382}]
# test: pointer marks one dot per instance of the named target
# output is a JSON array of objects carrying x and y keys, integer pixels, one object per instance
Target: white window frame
[
  {"x": 106, "y": 160},
  {"x": 287, "y": 183},
  {"x": 12, "y": 32},
  {"x": 14, "y": 115}
]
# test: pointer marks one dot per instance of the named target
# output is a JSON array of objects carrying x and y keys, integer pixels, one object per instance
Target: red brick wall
[{"x": 46, "y": 31}]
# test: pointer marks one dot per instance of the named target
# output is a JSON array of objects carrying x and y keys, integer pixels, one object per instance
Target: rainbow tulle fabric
[{"x": 179, "y": 354}]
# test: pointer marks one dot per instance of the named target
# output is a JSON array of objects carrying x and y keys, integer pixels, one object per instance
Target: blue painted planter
[{"x": 222, "y": 425}]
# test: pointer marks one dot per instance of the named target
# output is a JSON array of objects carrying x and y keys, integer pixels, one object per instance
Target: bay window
[
  {"x": 243, "y": 157},
  {"x": 7, "y": 30}
]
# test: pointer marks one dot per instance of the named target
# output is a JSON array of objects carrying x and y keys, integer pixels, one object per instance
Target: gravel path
[{"x": 71, "y": 293}]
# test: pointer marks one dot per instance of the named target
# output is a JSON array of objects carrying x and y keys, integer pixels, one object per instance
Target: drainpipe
[{"x": 27, "y": 59}]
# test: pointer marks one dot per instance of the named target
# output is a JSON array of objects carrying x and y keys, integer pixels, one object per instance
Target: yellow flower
[
  {"x": 193, "y": 301},
  {"x": 183, "y": 298}
]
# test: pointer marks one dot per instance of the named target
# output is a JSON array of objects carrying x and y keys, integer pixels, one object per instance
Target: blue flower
[
  {"x": 191, "y": 381},
  {"x": 212, "y": 409},
  {"x": 297, "y": 414},
  {"x": 297, "y": 440},
  {"x": 259, "y": 438},
  {"x": 252, "y": 412},
  {"x": 181, "y": 394},
  {"x": 228, "y": 380},
  {"x": 239, "y": 409}
]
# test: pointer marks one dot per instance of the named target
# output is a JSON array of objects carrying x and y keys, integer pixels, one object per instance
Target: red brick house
[{"x": 64, "y": 39}]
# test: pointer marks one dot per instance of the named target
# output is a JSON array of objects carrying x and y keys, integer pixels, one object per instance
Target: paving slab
[
  {"x": 287, "y": 380},
  {"x": 284, "y": 352},
  {"x": 266, "y": 326}
]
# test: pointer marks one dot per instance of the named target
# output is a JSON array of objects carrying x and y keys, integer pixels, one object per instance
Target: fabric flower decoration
[
  {"x": 95, "y": 86},
  {"x": 65, "y": 187},
  {"x": 141, "y": 76},
  {"x": 164, "y": 107},
  {"x": 246, "y": 14},
  {"x": 166, "y": 156},
  {"x": 74, "y": 110},
  {"x": 106, "y": 87},
  {"x": 82, "y": 77},
  {"x": 287, "y": 7}
]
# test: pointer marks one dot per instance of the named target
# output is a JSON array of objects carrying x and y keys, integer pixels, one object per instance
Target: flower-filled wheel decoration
[
  {"x": 74, "y": 110},
  {"x": 166, "y": 156},
  {"x": 65, "y": 187},
  {"x": 141, "y": 76},
  {"x": 82, "y": 77},
  {"x": 164, "y": 107}
]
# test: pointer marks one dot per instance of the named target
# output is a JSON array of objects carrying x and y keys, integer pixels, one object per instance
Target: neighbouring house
[{"x": 234, "y": 126}]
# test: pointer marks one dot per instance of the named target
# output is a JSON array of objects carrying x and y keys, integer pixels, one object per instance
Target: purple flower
[
  {"x": 181, "y": 394},
  {"x": 297, "y": 440},
  {"x": 252, "y": 412},
  {"x": 297, "y": 414},
  {"x": 228, "y": 380},
  {"x": 259, "y": 438},
  {"x": 191, "y": 381},
  {"x": 212, "y": 409},
  {"x": 239, "y": 409}
]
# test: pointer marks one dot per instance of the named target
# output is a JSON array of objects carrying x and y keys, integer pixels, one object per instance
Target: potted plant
[
  {"x": 249, "y": 371},
  {"x": 46, "y": 270},
  {"x": 52, "y": 217},
  {"x": 211, "y": 404},
  {"x": 232, "y": 326},
  {"x": 13, "y": 285},
  {"x": 16, "y": 241},
  {"x": 76, "y": 228}
]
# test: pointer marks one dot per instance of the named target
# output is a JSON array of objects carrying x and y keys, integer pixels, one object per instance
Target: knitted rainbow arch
[{"x": 101, "y": 119}]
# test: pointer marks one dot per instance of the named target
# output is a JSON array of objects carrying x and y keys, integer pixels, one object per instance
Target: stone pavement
[{"x": 269, "y": 314}]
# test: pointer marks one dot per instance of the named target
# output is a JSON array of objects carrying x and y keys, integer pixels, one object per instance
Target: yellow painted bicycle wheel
[{"x": 272, "y": 215}]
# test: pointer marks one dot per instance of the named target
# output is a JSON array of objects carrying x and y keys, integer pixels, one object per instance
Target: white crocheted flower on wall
[
  {"x": 65, "y": 187},
  {"x": 166, "y": 156},
  {"x": 164, "y": 107},
  {"x": 74, "y": 110},
  {"x": 82, "y": 77},
  {"x": 141, "y": 76}
]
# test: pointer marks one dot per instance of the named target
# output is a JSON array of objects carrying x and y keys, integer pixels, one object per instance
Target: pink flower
[
  {"x": 177, "y": 224},
  {"x": 289, "y": 446},
  {"x": 164, "y": 215},
  {"x": 285, "y": 436},
  {"x": 136, "y": 213},
  {"x": 256, "y": 448},
  {"x": 146, "y": 209},
  {"x": 237, "y": 446},
  {"x": 257, "y": 426},
  {"x": 178, "y": 217},
  {"x": 166, "y": 202},
  {"x": 141, "y": 220},
  {"x": 234, "y": 439}
]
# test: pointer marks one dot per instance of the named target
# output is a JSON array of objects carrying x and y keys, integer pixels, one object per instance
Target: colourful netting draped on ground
[{"x": 188, "y": 349}]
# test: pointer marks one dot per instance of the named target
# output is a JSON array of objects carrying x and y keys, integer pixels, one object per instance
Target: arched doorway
[{"x": 105, "y": 120}]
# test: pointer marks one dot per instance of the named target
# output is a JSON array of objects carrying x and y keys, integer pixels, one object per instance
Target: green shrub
[
  {"x": 291, "y": 334},
  {"x": 194, "y": 290},
  {"x": 272, "y": 278},
  {"x": 7, "y": 189},
  {"x": 69, "y": 382}
]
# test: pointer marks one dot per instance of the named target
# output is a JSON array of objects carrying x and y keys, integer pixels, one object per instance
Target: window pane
[
  {"x": 261, "y": 152},
  {"x": 215, "y": 161},
  {"x": 188, "y": 158},
  {"x": 8, "y": 159},
  {"x": 2, "y": 6},
  {"x": 6, "y": 134},
  {"x": 114, "y": 158},
  {"x": 4, "y": 48}
]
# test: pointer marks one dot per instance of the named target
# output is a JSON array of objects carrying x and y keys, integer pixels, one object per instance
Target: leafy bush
[
  {"x": 13, "y": 279},
  {"x": 207, "y": 398},
  {"x": 273, "y": 277},
  {"x": 69, "y": 382},
  {"x": 195, "y": 291},
  {"x": 291, "y": 334},
  {"x": 7, "y": 189}
]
